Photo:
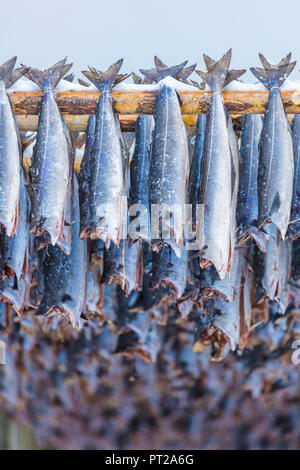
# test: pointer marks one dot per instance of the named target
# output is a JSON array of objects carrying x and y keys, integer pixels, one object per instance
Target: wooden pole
[{"x": 143, "y": 102}]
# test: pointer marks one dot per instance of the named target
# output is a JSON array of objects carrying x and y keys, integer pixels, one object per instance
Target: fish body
[
  {"x": 294, "y": 227},
  {"x": 50, "y": 170},
  {"x": 139, "y": 172},
  {"x": 169, "y": 164},
  {"x": 276, "y": 166},
  {"x": 276, "y": 155},
  {"x": 169, "y": 270},
  {"x": 84, "y": 179},
  {"x": 107, "y": 175},
  {"x": 216, "y": 191},
  {"x": 10, "y": 165},
  {"x": 247, "y": 208},
  {"x": 16, "y": 255}
]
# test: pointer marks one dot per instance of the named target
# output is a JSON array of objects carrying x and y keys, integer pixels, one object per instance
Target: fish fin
[
  {"x": 157, "y": 74},
  {"x": 16, "y": 74},
  {"x": 121, "y": 77},
  {"x": 6, "y": 70},
  {"x": 159, "y": 64},
  {"x": 209, "y": 62},
  {"x": 275, "y": 204},
  {"x": 83, "y": 82},
  {"x": 54, "y": 74},
  {"x": 104, "y": 80},
  {"x": 216, "y": 75},
  {"x": 186, "y": 72},
  {"x": 136, "y": 78},
  {"x": 233, "y": 75},
  {"x": 70, "y": 77},
  {"x": 271, "y": 74}
]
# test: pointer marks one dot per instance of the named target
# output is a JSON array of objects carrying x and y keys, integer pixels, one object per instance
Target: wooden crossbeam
[{"x": 77, "y": 105}]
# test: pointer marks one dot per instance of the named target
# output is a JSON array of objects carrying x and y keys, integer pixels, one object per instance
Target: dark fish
[
  {"x": 216, "y": 179},
  {"x": 10, "y": 154},
  {"x": 169, "y": 165},
  {"x": 195, "y": 170},
  {"x": 106, "y": 162},
  {"x": 247, "y": 207},
  {"x": 296, "y": 259},
  {"x": 139, "y": 177},
  {"x": 294, "y": 227},
  {"x": 65, "y": 275},
  {"x": 276, "y": 159},
  {"x": 84, "y": 179},
  {"x": 123, "y": 265},
  {"x": 50, "y": 169},
  {"x": 168, "y": 270}
]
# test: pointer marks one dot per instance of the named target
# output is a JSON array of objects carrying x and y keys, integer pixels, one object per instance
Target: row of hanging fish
[{"x": 65, "y": 243}]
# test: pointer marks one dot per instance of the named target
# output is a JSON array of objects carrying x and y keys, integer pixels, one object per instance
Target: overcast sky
[{"x": 97, "y": 32}]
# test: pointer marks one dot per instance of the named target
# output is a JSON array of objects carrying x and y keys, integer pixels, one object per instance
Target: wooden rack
[{"x": 77, "y": 105}]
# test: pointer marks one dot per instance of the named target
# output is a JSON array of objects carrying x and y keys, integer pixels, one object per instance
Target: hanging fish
[
  {"x": 168, "y": 270},
  {"x": 277, "y": 268},
  {"x": 106, "y": 162},
  {"x": 276, "y": 159},
  {"x": 10, "y": 152},
  {"x": 123, "y": 265},
  {"x": 169, "y": 167},
  {"x": 139, "y": 176},
  {"x": 247, "y": 207},
  {"x": 294, "y": 227},
  {"x": 216, "y": 179},
  {"x": 15, "y": 253},
  {"x": 84, "y": 179},
  {"x": 65, "y": 275},
  {"x": 50, "y": 169}
]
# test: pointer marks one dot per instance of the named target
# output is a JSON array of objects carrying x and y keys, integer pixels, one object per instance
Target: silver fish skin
[
  {"x": 107, "y": 178},
  {"x": 74, "y": 298},
  {"x": 276, "y": 166},
  {"x": 277, "y": 268},
  {"x": 50, "y": 170},
  {"x": 16, "y": 248},
  {"x": 216, "y": 188},
  {"x": 169, "y": 166},
  {"x": 247, "y": 207},
  {"x": 294, "y": 227},
  {"x": 139, "y": 170},
  {"x": 10, "y": 165}
]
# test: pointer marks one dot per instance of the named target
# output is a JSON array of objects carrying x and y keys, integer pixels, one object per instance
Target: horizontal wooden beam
[
  {"x": 143, "y": 102},
  {"x": 78, "y": 123}
]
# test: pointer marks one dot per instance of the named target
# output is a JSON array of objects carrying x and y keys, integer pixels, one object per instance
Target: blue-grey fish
[
  {"x": 169, "y": 167},
  {"x": 294, "y": 227},
  {"x": 106, "y": 161},
  {"x": 277, "y": 268},
  {"x": 276, "y": 159},
  {"x": 50, "y": 169},
  {"x": 65, "y": 275},
  {"x": 10, "y": 152},
  {"x": 139, "y": 174},
  {"x": 247, "y": 207},
  {"x": 217, "y": 185},
  {"x": 16, "y": 248},
  {"x": 84, "y": 179}
]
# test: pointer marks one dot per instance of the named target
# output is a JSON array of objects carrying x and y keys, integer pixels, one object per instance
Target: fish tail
[
  {"x": 54, "y": 74},
  {"x": 217, "y": 71},
  {"x": 273, "y": 75},
  {"x": 176, "y": 71},
  {"x": 6, "y": 70},
  {"x": 106, "y": 80}
]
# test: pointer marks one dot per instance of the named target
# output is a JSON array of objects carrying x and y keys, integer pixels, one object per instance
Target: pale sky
[{"x": 100, "y": 32}]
